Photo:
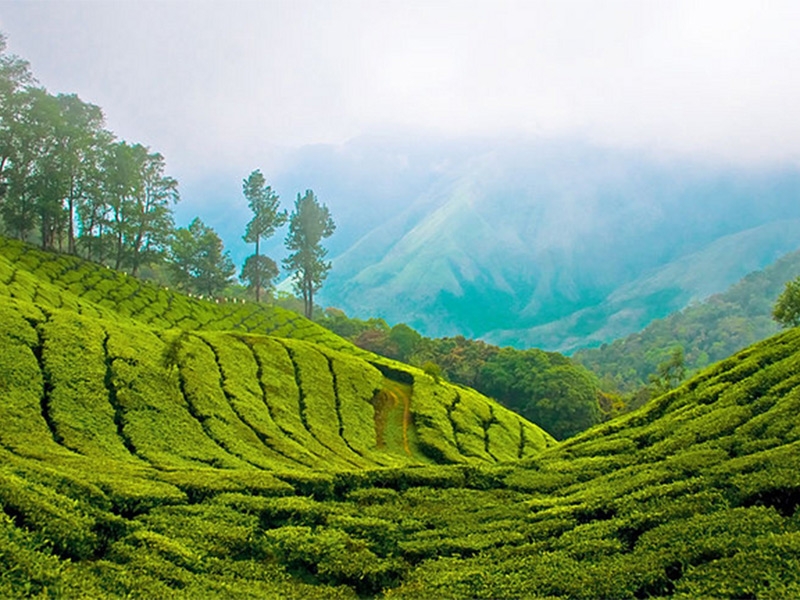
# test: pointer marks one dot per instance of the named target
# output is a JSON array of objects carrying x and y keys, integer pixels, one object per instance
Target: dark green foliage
[
  {"x": 259, "y": 271},
  {"x": 197, "y": 260},
  {"x": 787, "y": 307},
  {"x": 528, "y": 382},
  {"x": 545, "y": 388},
  {"x": 309, "y": 224}
]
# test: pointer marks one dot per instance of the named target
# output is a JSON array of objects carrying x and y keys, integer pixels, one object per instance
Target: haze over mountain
[{"x": 550, "y": 243}]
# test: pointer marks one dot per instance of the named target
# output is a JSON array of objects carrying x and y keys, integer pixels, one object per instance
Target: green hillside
[
  {"x": 157, "y": 446},
  {"x": 708, "y": 331},
  {"x": 182, "y": 382}
]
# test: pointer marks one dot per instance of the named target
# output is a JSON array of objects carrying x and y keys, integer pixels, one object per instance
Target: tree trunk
[
  {"x": 310, "y": 298},
  {"x": 71, "y": 228},
  {"x": 258, "y": 274}
]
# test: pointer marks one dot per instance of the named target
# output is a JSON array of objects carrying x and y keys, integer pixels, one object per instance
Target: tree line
[{"x": 69, "y": 184}]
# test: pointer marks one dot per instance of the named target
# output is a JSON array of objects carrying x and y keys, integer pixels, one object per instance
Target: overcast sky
[{"x": 231, "y": 84}]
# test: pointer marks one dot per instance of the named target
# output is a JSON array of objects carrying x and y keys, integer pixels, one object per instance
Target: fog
[{"x": 234, "y": 85}]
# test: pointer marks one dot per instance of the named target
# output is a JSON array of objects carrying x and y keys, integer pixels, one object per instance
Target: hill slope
[
  {"x": 694, "y": 495},
  {"x": 707, "y": 331},
  {"x": 178, "y": 392}
]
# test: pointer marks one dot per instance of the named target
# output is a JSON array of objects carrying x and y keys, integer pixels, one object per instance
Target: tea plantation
[{"x": 154, "y": 445}]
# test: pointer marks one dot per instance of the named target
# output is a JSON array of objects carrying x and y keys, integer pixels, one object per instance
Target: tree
[
  {"x": 405, "y": 339},
  {"x": 15, "y": 78},
  {"x": 259, "y": 272},
  {"x": 122, "y": 184},
  {"x": 309, "y": 224},
  {"x": 197, "y": 260},
  {"x": 80, "y": 135},
  {"x": 669, "y": 373},
  {"x": 545, "y": 387},
  {"x": 787, "y": 307},
  {"x": 266, "y": 219},
  {"x": 151, "y": 217}
]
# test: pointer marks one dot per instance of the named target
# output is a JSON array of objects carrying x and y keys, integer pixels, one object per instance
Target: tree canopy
[
  {"x": 309, "y": 224},
  {"x": 198, "y": 261},
  {"x": 267, "y": 217},
  {"x": 787, "y": 308}
]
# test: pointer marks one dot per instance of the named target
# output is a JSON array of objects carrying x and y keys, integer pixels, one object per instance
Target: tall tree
[
  {"x": 266, "y": 219},
  {"x": 93, "y": 208},
  {"x": 197, "y": 260},
  {"x": 151, "y": 215},
  {"x": 80, "y": 136},
  {"x": 47, "y": 177},
  {"x": 309, "y": 224},
  {"x": 122, "y": 184},
  {"x": 15, "y": 78}
]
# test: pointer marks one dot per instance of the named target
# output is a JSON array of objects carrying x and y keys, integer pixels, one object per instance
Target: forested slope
[
  {"x": 707, "y": 331},
  {"x": 144, "y": 460}
]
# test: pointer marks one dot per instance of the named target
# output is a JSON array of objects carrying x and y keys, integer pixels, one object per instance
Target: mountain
[
  {"x": 541, "y": 243},
  {"x": 665, "y": 290},
  {"x": 708, "y": 331},
  {"x": 141, "y": 459}
]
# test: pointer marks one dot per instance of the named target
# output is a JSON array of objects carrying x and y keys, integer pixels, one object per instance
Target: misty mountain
[{"x": 554, "y": 244}]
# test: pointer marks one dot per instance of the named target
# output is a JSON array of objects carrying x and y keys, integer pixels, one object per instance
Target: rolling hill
[
  {"x": 153, "y": 361},
  {"x": 250, "y": 454}
]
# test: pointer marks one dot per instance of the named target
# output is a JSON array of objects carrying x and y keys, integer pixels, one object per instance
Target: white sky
[{"x": 220, "y": 85}]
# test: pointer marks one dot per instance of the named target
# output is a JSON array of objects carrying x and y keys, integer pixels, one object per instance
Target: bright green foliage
[
  {"x": 319, "y": 402},
  {"x": 155, "y": 416},
  {"x": 140, "y": 366},
  {"x": 219, "y": 462},
  {"x": 21, "y": 381},
  {"x": 74, "y": 367}
]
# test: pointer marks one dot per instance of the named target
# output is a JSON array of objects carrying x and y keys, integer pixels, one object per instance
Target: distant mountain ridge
[
  {"x": 558, "y": 245},
  {"x": 665, "y": 290}
]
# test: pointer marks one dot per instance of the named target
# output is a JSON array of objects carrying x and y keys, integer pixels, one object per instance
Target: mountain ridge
[{"x": 538, "y": 231}]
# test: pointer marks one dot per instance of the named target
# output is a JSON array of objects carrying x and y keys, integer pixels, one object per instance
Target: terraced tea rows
[
  {"x": 178, "y": 397},
  {"x": 141, "y": 461}
]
